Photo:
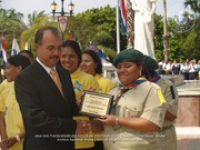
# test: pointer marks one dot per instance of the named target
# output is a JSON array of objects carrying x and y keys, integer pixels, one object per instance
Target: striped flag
[
  {"x": 3, "y": 52},
  {"x": 122, "y": 15},
  {"x": 15, "y": 47}
]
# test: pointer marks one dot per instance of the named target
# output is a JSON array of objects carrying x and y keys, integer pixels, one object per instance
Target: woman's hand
[
  {"x": 108, "y": 120},
  {"x": 79, "y": 98},
  {"x": 10, "y": 142},
  {"x": 3, "y": 145}
]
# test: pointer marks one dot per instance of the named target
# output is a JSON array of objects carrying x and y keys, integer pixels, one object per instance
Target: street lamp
[
  {"x": 54, "y": 5},
  {"x": 62, "y": 19}
]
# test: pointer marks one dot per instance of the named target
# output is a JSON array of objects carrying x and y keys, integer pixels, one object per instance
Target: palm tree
[
  {"x": 11, "y": 24},
  {"x": 194, "y": 4},
  {"x": 32, "y": 17},
  {"x": 166, "y": 35},
  {"x": 10, "y": 20}
]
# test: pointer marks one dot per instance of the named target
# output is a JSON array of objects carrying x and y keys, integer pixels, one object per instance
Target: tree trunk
[
  {"x": 130, "y": 25},
  {"x": 166, "y": 35}
]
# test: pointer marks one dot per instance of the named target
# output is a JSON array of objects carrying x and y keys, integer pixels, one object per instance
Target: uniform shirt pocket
[{"x": 131, "y": 112}]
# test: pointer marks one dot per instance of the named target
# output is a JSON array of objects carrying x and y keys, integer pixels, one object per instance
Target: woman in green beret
[
  {"x": 137, "y": 111},
  {"x": 169, "y": 139}
]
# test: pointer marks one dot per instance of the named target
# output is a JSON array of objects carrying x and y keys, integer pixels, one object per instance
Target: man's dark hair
[
  {"x": 40, "y": 32},
  {"x": 96, "y": 59}
]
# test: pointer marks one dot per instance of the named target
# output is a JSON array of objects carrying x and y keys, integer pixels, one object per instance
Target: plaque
[{"x": 95, "y": 104}]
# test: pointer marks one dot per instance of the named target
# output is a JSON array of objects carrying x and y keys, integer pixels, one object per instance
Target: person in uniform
[
  {"x": 168, "y": 139},
  {"x": 138, "y": 108}
]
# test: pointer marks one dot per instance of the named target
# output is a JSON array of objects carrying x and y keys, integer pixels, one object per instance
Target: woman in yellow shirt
[
  {"x": 91, "y": 64},
  {"x": 12, "y": 130},
  {"x": 70, "y": 59}
]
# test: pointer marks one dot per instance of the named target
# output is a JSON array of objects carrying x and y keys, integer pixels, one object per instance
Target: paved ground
[{"x": 188, "y": 138}]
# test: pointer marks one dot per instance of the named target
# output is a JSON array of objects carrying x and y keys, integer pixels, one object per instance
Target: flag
[
  {"x": 3, "y": 52},
  {"x": 93, "y": 47},
  {"x": 70, "y": 35},
  {"x": 122, "y": 15},
  {"x": 15, "y": 47},
  {"x": 26, "y": 46},
  {"x": 100, "y": 53}
]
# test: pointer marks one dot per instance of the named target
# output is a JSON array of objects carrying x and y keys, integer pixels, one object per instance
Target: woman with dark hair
[
  {"x": 27, "y": 53},
  {"x": 91, "y": 64},
  {"x": 70, "y": 59},
  {"x": 11, "y": 124}
]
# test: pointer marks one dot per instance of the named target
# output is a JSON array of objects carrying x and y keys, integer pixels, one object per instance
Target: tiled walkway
[{"x": 188, "y": 138}]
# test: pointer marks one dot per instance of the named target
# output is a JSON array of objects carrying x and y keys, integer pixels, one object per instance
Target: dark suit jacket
[{"x": 46, "y": 114}]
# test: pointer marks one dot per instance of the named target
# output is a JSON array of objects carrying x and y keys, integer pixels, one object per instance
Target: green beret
[
  {"x": 150, "y": 63},
  {"x": 129, "y": 55}
]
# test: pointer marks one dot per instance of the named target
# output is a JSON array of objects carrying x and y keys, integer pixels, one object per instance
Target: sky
[{"x": 28, "y": 6}]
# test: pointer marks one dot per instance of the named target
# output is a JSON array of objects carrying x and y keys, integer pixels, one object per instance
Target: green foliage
[
  {"x": 11, "y": 25},
  {"x": 39, "y": 21},
  {"x": 104, "y": 19},
  {"x": 81, "y": 30},
  {"x": 158, "y": 36},
  {"x": 194, "y": 4},
  {"x": 99, "y": 26}
]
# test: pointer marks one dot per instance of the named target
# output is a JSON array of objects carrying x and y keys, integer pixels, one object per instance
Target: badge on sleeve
[{"x": 160, "y": 94}]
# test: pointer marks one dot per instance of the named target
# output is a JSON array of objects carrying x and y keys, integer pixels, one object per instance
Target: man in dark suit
[{"x": 47, "y": 112}]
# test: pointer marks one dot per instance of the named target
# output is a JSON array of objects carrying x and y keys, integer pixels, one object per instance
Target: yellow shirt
[
  {"x": 13, "y": 118},
  {"x": 82, "y": 81},
  {"x": 105, "y": 84},
  {"x": 4, "y": 85}
]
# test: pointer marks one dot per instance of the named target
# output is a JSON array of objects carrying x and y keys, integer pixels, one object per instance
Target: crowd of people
[
  {"x": 40, "y": 100},
  {"x": 190, "y": 69}
]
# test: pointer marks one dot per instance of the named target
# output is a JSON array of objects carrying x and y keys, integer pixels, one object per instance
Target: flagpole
[{"x": 117, "y": 27}]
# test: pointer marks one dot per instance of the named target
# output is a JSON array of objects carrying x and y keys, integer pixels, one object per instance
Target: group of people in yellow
[{"x": 142, "y": 112}]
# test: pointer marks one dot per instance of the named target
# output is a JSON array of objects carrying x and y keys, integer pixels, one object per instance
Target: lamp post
[{"x": 62, "y": 19}]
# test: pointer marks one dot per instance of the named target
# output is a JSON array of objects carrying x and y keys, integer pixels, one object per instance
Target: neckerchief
[
  {"x": 124, "y": 89},
  {"x": 155, "y": 77}
]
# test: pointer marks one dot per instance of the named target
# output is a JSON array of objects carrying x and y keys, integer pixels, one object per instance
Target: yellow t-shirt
[
  {"x": 81, "y": 81},
  {"x": 13, "y": 118},
  {"x": 105, "y": 84},
  {"x": 4, "y": 85}
]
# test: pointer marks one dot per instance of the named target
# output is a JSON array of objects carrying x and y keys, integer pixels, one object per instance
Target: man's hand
[
  {"x": 96, "y": 126},
  {"x": 81, "y": 127}
]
